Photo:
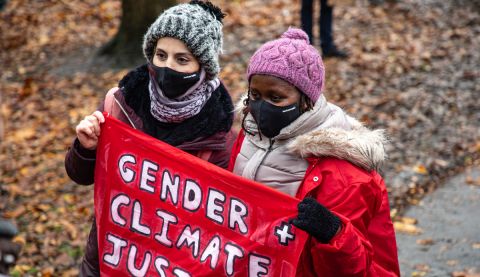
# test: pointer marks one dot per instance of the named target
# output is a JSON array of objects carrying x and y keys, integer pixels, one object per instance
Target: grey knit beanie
[{"x": 198, "y": 24}]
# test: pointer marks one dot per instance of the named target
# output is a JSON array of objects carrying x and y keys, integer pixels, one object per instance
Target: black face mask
[
  {"x": 270, "y": 118},
  {"x": 173, "y": 83}
]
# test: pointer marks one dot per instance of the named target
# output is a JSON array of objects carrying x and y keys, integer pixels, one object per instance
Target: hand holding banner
[{"x": 163, "y": 212}]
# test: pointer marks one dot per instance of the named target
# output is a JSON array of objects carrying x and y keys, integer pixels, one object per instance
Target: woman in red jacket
[{"x": 293, "y": 140}]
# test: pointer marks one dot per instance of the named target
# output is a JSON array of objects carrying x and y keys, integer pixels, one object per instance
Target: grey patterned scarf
[{"x": 188, "y": 105}]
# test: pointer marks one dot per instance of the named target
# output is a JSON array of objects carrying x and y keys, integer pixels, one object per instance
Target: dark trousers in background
[
  {"x": 325, "y": 22},
  {"x": 2, "y": 4}
]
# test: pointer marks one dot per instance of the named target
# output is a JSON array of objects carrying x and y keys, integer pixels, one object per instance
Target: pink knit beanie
[{"x": 292, "y": 59}]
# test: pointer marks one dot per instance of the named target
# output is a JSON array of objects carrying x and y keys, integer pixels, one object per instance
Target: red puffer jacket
[{"x": 366, "y": 245}]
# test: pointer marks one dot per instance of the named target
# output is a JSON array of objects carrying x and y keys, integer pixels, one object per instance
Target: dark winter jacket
[{"x": 206, "y": 135}]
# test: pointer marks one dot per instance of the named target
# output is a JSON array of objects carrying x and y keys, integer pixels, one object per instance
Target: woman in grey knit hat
[{"x": 175, "y": 97}]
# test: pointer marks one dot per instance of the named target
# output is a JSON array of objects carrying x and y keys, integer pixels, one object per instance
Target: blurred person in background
[
  {"x": 2, "y": 4},
  {"x": 9, "y": 250},
  {"x": 329, "y": 49}
]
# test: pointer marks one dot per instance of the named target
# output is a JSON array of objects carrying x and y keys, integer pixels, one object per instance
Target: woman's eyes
[
  {"x": 161, "y": 55},
  {"x": 273, "y": 98},
  {"x": 182, "y": 60}
]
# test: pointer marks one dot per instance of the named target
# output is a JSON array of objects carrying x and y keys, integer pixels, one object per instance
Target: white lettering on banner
[
  {"x": 233, "y": 251},
  {"x": 142, "y": 271},
  {"x": 192, "y": 196},
  {"x": 238, "y": 211},
  {"x": 257, "y": 265},
  {"x": 127, "y": 173},
  {"x": 160, "y": 264},
  {"x": 167, "y": 219},
  {"x": 170, "y": 186},
  {"x": 214, "y": 209},
  {"x": 119, "y": 200},
  {"x": 216, "y": 201},
  {"x": 118, "y": 244},
  {"x": 137, "y": 266},
  {"x": 284, "y": 233},
  {"x": 189, "y": 238},
  {"x": 146, "y": 178},
  {"x": 187, "y": 196},
  {"x": 213, "y": 251},
  {"x": 136, "y": 215},
  {"x": 181, "y": 273}
]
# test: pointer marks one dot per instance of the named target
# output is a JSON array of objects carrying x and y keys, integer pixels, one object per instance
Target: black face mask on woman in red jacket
[{"x": 272, "y": 119}]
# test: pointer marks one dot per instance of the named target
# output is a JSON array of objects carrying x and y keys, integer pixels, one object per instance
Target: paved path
[{"x": 450, "y": 220}]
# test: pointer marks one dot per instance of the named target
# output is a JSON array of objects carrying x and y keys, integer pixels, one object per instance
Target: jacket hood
[
  {"x": 359, "y": 145},
  {"x": 327, "y": 131}
]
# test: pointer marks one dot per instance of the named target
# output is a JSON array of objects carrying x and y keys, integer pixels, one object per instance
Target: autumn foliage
[{"x": 413, "y": 70}]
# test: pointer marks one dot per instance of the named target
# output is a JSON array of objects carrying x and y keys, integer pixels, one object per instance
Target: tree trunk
[{"x": 125, "y": 49}]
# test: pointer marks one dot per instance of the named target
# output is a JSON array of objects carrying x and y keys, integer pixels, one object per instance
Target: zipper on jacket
[
  {"x": 272, "y": 141},
  {"x": 263, "y": 158}
]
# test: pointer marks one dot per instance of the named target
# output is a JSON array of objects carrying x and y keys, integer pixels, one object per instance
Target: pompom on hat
[
  {"x": 293, "y": 59},
  {"x": 198, "y": 24}
]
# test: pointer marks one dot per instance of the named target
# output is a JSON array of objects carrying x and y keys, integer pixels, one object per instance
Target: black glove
[{"x": 316, "y": 220}]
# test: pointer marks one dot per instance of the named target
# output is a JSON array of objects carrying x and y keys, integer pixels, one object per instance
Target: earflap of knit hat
[{"x": 195, "y": 25}]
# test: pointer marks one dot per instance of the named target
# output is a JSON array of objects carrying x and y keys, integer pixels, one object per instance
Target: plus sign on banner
[{"x": 163, "y": 212}]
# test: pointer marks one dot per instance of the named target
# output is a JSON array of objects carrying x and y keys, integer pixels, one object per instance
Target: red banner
[{"x": 163, "y": 212}]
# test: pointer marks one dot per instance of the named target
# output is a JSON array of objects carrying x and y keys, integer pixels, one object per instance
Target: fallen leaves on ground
[
  {"x": 413, "y": 71},
  {"x": 407, "y": 225},
  {"x": 464, "y": 274}
]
